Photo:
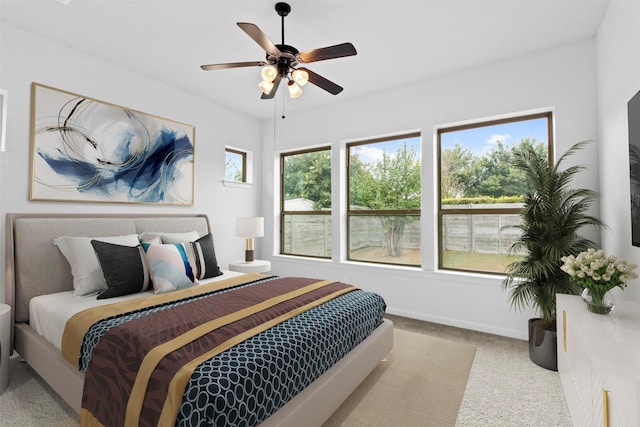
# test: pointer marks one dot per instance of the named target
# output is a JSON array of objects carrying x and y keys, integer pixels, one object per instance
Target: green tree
[
  {"x": 464, "y": 174},
  {"x": 456, "y": 165},
  {"x": 308, "y": 176},
  {"x": 393, "y": 183},
  {"x": 361, "y": 188},
  {"x": 231, "y": 171},
  {"x": 494, "y": 174}
]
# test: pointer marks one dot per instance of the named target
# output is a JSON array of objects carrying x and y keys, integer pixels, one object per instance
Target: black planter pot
[{"x": 543, "y": 345}]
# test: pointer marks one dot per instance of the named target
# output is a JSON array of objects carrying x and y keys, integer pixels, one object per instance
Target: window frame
[
  {"x": 284, "y": 213},
  {"x": 480, "y": 211},
  {"x": 379, "y": 212}
]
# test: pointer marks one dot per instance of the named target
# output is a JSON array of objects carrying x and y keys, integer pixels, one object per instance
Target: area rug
[{"x": 420, "y": 383}]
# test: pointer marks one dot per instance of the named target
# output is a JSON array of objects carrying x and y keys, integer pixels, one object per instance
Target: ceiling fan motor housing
[{"x": 286, "y": 59}]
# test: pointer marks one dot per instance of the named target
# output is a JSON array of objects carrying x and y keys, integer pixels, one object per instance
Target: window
[
  {"x": 480, "y": 193},
  {"x": 306, "y": 203},
  {"x": 235, "y": 165},
  {"x": 384, "y": 191}
]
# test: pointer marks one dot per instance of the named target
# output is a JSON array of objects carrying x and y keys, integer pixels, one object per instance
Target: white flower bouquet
[{"x": 597, "y": 273}]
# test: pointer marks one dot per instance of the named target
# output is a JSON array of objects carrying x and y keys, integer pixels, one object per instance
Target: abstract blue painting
[{"x": 92, "y": 151}]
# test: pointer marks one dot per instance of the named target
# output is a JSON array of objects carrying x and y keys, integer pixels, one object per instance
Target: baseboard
[{"x": 479, "y": 327}]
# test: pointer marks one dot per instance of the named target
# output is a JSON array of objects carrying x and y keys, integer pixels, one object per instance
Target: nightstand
[{"x": 257, "y": 266}]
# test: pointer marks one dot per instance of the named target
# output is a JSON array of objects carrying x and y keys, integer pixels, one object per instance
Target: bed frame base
[
  {"x": 315, "y": 404},
  {"x": 48, "y": 362},
  {"x": 312, "y": 407}
]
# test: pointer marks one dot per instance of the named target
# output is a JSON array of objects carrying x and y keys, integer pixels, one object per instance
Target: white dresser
[{"x": 599, "y": 363}]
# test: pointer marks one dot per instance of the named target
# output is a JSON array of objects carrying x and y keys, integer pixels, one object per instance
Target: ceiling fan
[{"x": 282, "y": 61}]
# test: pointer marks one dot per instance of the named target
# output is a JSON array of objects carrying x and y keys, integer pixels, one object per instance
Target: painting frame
[{"x": 87, "y": 150}]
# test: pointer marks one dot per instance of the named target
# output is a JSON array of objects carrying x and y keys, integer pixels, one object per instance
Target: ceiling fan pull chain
[{"x": 284, "y": 101}]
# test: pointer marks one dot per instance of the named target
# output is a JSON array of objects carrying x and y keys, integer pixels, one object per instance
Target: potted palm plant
[{"x": 551, "y": 220}]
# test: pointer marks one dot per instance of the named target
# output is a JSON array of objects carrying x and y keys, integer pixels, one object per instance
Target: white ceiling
[{"x": 397, "y": 41}]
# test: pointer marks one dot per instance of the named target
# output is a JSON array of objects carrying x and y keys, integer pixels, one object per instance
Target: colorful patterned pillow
[
  {"x": 169, "y": 267},
  {"x": 201, "y": 254}
]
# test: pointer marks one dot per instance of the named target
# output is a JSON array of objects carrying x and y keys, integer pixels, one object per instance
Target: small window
[
  {"x": 235, "y": 165},
  {"x": 481, "y": 193}
]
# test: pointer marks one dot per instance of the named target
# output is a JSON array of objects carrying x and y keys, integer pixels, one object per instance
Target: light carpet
[{"x": 421, "y": 382}]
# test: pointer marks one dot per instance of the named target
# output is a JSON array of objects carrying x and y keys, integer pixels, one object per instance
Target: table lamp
[{"x": 249, "y": 227}]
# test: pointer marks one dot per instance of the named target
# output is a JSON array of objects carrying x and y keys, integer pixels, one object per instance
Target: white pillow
[
  {"x": 85, "y": 268},
  {"x": 187, "y": 236}
]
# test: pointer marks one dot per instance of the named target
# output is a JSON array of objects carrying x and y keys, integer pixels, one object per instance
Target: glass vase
[{"x": 598, "y": 303}]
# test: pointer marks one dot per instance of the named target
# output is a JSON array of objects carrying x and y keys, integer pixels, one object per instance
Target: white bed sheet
[{"x": 48, "y": 314}]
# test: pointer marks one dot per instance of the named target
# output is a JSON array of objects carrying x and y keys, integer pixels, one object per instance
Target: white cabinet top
[{"x": 612, "y": 340}]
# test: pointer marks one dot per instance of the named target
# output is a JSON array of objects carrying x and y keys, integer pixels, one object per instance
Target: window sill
[
  {"x": 236, "y": 184},
  {"x": 348, "y": 263},
  {"x": 448, "y": 275}
]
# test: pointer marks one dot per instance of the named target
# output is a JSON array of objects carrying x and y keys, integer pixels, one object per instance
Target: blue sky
[
  {"x": 233, "y": 163},
  {"x": 371, "y": 153},
  {"x": 481, "y": 140}
]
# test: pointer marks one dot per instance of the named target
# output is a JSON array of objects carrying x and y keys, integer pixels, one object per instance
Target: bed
[{"x": 35, "y": 267}]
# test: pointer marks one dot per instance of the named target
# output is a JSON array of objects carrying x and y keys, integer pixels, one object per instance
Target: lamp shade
[
  {"x": 300, "y": 76},
  {"x": 294, "y": 89},
  {"x": 265, "y": 86},
  {"x": 269, "y": 73},
  {"x": 250, "y": 227}
]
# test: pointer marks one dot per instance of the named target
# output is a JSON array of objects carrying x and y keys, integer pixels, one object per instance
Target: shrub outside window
[
  {"x": 384, "y": 195},
  {"x": 480, "y": 193},
  {"x": 306, "y": 203}
]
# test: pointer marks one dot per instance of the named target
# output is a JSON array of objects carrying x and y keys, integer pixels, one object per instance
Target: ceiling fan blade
[
  {"x": 232, "y": 65},
  {"x": 259, "y": 37},
  {"x": 329, "y": 52},
  {"x": 274, "y": 89},
  {"x": 323, "y": 83}
]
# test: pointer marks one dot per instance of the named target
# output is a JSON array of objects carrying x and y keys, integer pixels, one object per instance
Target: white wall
[
  {"x": 618, "y": 52},
  {"x": 27, "y": 58},
  {"x": 562, "y": 79}
]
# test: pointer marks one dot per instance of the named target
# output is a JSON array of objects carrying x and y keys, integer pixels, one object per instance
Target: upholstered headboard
[{"x": 34, "y": 266}]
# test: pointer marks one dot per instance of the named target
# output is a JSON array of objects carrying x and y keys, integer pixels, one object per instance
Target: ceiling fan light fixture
[
  {"x": 269, "y": 73},
  {"x": 265, "y": 86},
  {"x": 294, "y": 89},
  {"x": 300, "y": 76},
  {"x": 281, "y": 59}
]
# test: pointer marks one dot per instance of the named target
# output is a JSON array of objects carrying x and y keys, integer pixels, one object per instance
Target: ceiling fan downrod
[{"x": 283, "y": 10}]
